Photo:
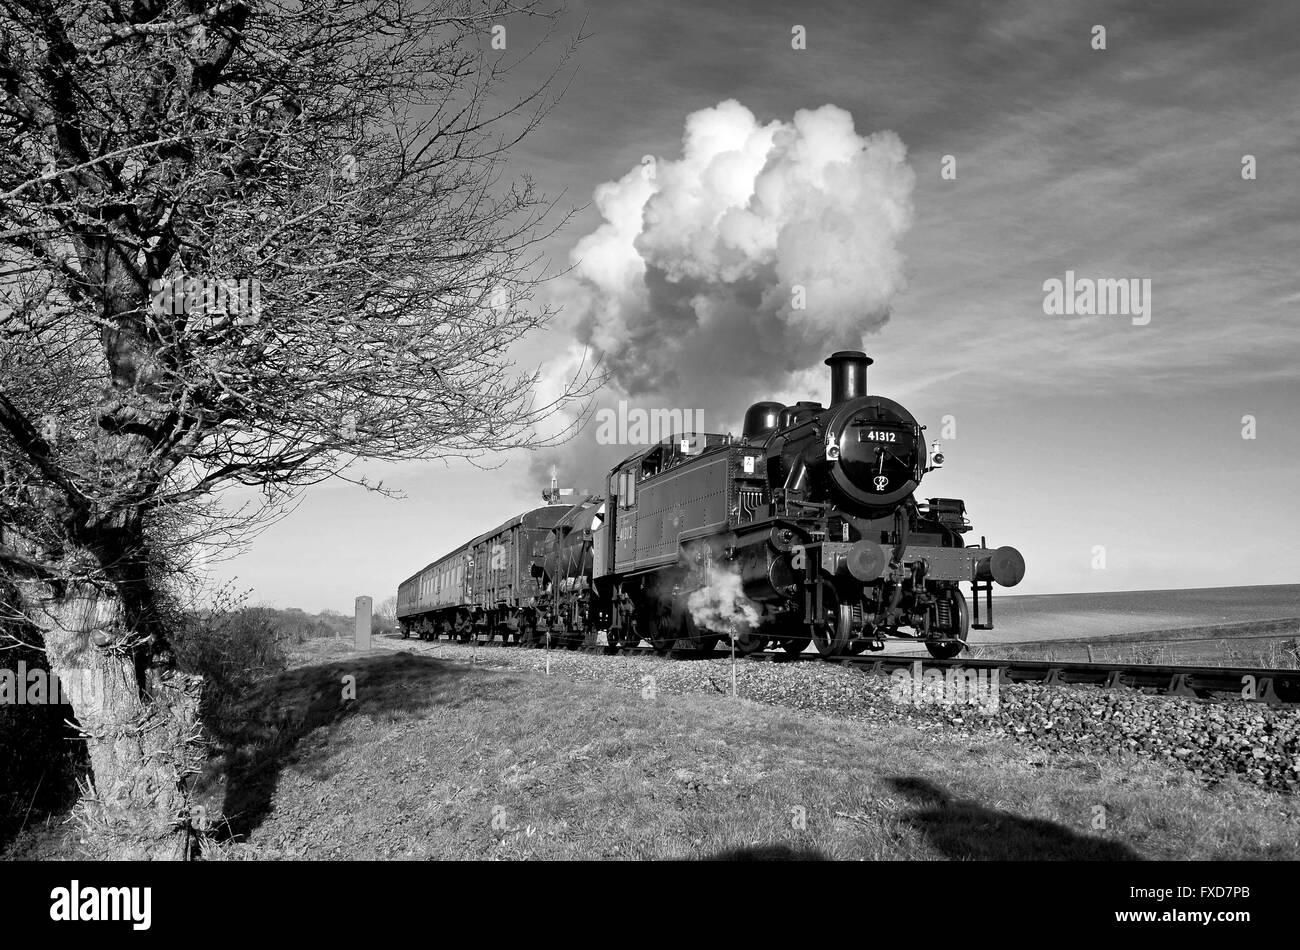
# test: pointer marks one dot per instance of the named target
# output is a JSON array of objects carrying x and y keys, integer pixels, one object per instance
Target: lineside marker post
[
  {"x": 361, "y": 632},
  {"x": 733, "y": 659}
]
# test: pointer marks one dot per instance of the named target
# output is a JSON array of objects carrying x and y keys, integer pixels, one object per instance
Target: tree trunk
[{"x": 138, "y": 719}]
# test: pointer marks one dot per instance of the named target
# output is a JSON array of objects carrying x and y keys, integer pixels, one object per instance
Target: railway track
[{"x": 1272, "y": 687}]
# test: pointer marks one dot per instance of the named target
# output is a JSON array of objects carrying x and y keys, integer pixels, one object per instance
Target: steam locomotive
[{"x": 810, "y": 518}]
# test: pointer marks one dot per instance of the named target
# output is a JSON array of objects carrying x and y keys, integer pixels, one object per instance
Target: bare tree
[
  {"x": 384, "y": 619},
  {"x": 241, "y": 242}
]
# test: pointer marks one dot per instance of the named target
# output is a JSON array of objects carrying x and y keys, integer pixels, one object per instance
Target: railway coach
[{"x": 485, "y": 586}]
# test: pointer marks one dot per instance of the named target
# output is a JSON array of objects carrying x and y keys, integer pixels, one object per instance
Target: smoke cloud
[{"x": 718, "y": 276}]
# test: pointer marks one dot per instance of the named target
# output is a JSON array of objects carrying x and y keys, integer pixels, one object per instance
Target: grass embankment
[{"x": 441, "y": 760}]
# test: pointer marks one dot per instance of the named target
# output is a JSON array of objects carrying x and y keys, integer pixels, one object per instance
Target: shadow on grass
[
  {"x": 768, "y": 852},
  {"x": 968, "y": 831},
  {"x": 257, "y": 739}
]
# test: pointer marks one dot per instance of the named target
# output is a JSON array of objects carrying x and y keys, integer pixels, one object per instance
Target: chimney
[{"x": 848, "y": 375}]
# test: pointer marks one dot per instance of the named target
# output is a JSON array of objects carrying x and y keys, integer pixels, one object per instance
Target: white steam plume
[
  {"x": 700, "y": 261},
  {"x": 718, "y": 275},
  {"x": 721, "y": 605}
]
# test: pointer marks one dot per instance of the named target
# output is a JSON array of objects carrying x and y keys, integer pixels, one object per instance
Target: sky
[{"x": 1109, "y": 451}]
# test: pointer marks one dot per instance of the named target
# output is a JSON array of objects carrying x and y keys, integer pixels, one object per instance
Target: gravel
[{"x": 1258, "y": 743}]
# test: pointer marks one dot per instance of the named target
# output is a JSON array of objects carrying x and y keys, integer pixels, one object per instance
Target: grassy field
[
  {"x": 1271, "y": 644},
  {"x": 1070, "y": 616},
  {"x": 439, "y": 760}
]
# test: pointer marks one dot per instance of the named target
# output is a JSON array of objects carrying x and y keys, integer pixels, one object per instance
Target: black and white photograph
[{"x": 489, "y": 432}]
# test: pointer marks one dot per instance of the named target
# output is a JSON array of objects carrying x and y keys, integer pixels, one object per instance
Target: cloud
[{"x": 760, "y": 244}]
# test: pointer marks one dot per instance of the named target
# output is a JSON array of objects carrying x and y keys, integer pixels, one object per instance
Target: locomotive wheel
[
  {"x": 794, "y": 645},
  {"x": 662, "y": 639},
  {"x": 750, "y": 642},
  {"x": 786, "y": 632},
  {"x": 946, "y": 651},
  {"x": 697, "y": 638},
  {"x": 832, "y": 634},
  {"x": 661, "y": 627}
]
